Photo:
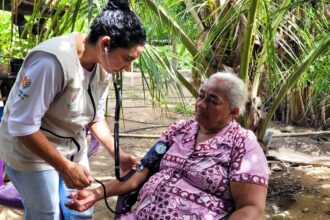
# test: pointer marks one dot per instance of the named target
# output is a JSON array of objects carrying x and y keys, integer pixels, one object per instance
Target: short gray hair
[{"x": 235, "y": 90}]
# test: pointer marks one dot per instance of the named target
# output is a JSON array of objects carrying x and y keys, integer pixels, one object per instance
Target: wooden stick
[
  {"x": 314, "y": 164},
  {"x": 139, "y": 135},
  {"x": 301, "y": 134}
]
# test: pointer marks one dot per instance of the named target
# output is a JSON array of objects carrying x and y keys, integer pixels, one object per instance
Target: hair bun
[{"x": 118, "y": 5}]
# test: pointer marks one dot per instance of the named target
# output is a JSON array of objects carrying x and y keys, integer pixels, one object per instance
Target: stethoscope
[
  {"x": 116, "y": 85},
  {"x": 117, "y": 79},
  {"x": 159, "y": 146},
  {"x": 117, "y": 88},
  {"x": 155, "y": 153}
]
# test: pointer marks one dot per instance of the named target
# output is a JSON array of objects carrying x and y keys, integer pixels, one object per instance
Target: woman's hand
[
  {"x": 76, "y": 176},
  {"x": 81, "y": 200},
  {"x": 127, "y": 162},
  {"x": 102, "y": 133}
]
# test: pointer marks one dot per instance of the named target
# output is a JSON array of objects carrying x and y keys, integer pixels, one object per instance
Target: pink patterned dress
[{"x": 193, "y": 182}]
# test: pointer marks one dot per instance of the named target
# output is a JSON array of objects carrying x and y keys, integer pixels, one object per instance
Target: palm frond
[{"x": 161, "y": 77}]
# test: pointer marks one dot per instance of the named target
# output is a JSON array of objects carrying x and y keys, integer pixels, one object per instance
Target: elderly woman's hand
[{"x": 81, "y": 200}]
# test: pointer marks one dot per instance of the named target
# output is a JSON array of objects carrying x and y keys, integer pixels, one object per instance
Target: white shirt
[{"x": 46, "y": 75}]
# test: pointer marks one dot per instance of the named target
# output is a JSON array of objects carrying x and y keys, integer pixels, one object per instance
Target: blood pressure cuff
[{"x": 153, "y": 157}]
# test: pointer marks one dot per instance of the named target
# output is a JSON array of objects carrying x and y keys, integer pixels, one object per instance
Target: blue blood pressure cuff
[{"x": 153, "y": 157}]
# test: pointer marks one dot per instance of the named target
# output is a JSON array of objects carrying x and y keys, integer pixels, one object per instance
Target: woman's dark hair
[{"x": 121, "y": 24}]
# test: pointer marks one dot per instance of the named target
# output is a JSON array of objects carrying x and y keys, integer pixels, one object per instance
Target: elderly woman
[{"x": 214, "y": 168}]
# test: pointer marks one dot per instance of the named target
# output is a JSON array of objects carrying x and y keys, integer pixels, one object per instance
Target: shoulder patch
[{"x": 26, "y": 83}]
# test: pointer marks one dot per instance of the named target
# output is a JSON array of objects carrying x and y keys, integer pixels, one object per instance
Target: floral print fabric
[{"x": 193, "y": 181}]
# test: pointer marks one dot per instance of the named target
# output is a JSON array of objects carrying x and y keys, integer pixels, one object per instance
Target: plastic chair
[{"x": 9, "y": 196}]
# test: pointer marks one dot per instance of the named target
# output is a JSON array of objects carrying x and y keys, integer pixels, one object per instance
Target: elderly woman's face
[{"x": 212, "y": 110}]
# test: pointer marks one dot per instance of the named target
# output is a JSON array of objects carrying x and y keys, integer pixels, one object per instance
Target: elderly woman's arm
[
  {"x": 82, "y": 200},
  {"x": 250, "y": 201}
]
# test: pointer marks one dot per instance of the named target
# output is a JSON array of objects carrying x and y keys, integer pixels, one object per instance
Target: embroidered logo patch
[
  {"x": 73, "y": 104},
  {"x": 26, "y": 83}
]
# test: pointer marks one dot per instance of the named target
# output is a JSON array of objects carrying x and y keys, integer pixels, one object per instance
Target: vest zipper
[
  {"x": 93, "y": 103},
  {"x": 59, "y": 136}
]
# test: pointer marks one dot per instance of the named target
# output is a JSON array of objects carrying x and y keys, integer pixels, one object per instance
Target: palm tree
[
  {"x": 33, "y": 21},
  {"x": 277, "y": 50},
  {"x": 267, "y": 43}
]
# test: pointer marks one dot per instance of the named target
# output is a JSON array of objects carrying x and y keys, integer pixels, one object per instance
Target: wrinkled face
[
  {"x": 120, "y": 59},
  {"x": 212, "y": 109}
]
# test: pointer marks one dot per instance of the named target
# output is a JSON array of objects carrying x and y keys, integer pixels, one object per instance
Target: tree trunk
[
  {"x": 322, "y": 115},
  {"x": 298, "y": 108}
]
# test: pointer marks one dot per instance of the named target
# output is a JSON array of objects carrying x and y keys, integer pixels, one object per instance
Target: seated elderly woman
[{"x": 213, "y": 169}]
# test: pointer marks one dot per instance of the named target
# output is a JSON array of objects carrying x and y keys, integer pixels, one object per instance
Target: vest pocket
[{"x": 72, "y": 100}]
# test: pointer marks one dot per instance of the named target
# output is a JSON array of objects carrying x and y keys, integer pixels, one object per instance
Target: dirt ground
[{"x": 299, "y": 187}]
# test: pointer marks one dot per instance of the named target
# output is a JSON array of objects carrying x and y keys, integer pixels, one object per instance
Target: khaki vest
[{"x": 65, "y": 120}]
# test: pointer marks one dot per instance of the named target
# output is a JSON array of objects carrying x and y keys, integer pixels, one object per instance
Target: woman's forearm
[
  {"x": 74, "y": 175},
  {"x": 114, "y": 187},
  {"x": 102, "y": 133},
  {"x": 40, "y": 145}
]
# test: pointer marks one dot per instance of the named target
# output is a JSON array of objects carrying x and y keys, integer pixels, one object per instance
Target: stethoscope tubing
[{"x": 116, "y": 136}]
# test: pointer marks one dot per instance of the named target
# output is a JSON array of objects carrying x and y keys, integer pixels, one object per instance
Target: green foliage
[
  {"x": 159, "y": 75},
  {"x": 183, "y": 108},
  {"x": 183, "y": 57},
  {"x": 63, "y": 16},
  {"x": 10, "y": 44},
  {"x": 317, "y": 77},
  {"x": 4, "y": 36},
  {"x": 287, "y": 32},
  {"x": 154, "y": 26}
]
